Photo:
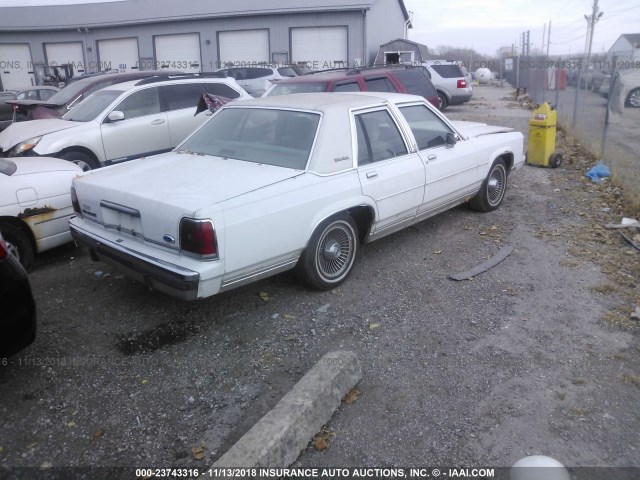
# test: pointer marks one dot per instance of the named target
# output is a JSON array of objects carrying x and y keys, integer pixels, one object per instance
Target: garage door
[
  {"x": 16, "y": 71},
  {"x": 178, "y": 52},
  {"x": 120, "y": 53},
  {"x": 244, "y": 47},
  {"x": 325, "y": 45},
  {"x": 65, "y": 54}
]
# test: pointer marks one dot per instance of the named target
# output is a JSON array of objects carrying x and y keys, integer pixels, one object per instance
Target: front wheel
[
  {"x": 85, "y": 161},
  {"x": 493, "y": 188},
  {"x": 329, "y": 257}
]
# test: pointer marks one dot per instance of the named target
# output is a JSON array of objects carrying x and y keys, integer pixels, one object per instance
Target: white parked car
[
  {"x": 292, "y": 181},
  {"x": 35, "y": 204},
  {"x": 120, "y": 122}
]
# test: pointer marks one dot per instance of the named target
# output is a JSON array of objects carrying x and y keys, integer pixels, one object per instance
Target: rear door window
[
  {"x": 347, "y": 87},
  {"x": 381, "y": 84},
  {"x": 378, "y": 137},
  {"x": 183, "y": 95}
]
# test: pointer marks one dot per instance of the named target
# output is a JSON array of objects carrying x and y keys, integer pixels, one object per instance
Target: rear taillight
[
  {"x": 74, "y": 201},
  {"x": 462, "y": 84},
  {"x": 198, "y": 237},
  {"x": 4, "y": 250}
]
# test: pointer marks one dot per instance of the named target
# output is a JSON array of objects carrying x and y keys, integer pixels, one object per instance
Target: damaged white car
[
  {"x": 293, "y": 181},
  {"x": 35, "y": 204}
]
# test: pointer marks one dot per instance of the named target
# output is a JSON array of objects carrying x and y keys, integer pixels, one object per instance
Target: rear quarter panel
[{"x": 275, "y": 223}]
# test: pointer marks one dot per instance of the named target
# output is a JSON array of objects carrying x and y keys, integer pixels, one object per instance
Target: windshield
[
  {"x": 282, "y": 138},
  {"x": 289, "y": 88},
  {"x": 92, "y": 106}
]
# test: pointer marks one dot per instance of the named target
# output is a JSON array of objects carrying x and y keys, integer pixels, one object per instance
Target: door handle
[
  {"x": 372, "y": 174},
  {"x": 433, "y": 156},
  {"x": 158, "y": 121}
]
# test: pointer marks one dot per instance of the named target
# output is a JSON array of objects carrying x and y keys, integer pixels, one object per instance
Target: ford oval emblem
[{"x": 168, "y": 238}]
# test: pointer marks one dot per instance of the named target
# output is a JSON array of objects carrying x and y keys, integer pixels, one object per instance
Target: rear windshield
[
  {"x": 248, "y": 73},
  {"x": 289, "y": 88},
  {"x": 448, "y": 71},
  {"x": 287, "y": 72},
  {"x": 282, "y": 138},
  {"x": 71, "y": 91},
  {"x": 92, "y": 106},
  {"x": 416, "y": 82}
]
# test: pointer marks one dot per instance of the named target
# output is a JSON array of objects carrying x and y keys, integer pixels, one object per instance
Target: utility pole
[
  {"x": 548, "y": 38},
  {"x": 544, "y": 32},
  {"x": 528, "y": 44},
  {"x": 591, "y": 22}
]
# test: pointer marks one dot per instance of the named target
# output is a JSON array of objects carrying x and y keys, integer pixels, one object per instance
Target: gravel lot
[{"x": 536, "y": 356}]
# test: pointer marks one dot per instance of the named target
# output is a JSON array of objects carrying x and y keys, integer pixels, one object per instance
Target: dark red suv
[{"x": 402, "y": 79}]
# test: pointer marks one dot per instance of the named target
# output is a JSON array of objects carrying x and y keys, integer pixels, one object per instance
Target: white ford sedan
[{"x": 294, "y": 181}]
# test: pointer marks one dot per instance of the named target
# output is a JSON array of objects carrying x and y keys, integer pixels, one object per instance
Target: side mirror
[
  {"x": 450, "y": 140},
  {"x": 115, "y": 116}
]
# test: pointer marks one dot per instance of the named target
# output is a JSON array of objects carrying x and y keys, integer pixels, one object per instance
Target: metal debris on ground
[
  {"x": 503, "y": 253},
  {"x": 625, "y": 223},
  {"x": 631, "y": 242}
]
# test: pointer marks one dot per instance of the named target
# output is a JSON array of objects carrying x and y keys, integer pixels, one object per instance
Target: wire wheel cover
[{"x": 335, "y": 252}]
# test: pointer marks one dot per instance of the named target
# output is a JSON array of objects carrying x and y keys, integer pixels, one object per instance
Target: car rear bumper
[
  {"x": 157, "y": 274},
  {"x": 459, "y": 98}
]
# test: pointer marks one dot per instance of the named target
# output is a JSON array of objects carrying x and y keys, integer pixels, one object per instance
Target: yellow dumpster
[{"x": 542, "y": 138}]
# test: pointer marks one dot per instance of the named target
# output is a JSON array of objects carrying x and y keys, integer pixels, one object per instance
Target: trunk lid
[{"x": 148, "y": 197}]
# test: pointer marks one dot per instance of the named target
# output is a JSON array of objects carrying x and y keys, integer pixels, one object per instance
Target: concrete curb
[{"x": 279, "y": 437}]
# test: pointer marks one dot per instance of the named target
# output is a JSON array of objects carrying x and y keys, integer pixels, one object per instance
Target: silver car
[{"x": 450, "y": 81}]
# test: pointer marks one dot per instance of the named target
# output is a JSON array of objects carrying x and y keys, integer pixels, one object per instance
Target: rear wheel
[
  {"x": 442, "y": 99},
  {"x": 329, "y": 257},
  {"x": 19, "y": 243},
  {"x": 493, "y": 188},
  {"x": 83, "y": 160}
]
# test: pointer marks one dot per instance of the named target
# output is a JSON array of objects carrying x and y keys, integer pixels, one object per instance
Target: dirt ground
[{"x": 539, "y": 355}]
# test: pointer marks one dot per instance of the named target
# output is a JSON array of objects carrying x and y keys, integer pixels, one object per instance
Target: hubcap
[
  {"x": 331, "y": 251},
  {"x": 13, "y": 249},
  {"x": 83, "y": 165},
  {"x": 495, "y": 186},
  {"x": 335, "y": 252},
  {"x": 634, "y": 98}
]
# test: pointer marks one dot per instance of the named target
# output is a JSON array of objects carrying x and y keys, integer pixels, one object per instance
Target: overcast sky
[{"x": 488, "y": 25}]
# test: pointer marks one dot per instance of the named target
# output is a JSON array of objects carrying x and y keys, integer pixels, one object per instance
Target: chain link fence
[{"x": 598, "y": 104}]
